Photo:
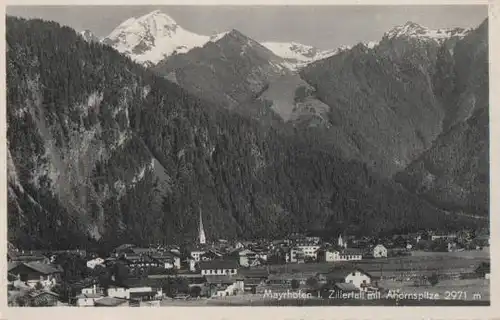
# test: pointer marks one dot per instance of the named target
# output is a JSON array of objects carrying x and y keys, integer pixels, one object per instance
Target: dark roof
[
  {"x": 346, "y": 287},
  {"x": 143, "y": 250},
  {"x": 163, "y": 256},
  {"x": 290, "y": 276},
  {"x": 142, "y": 294},
  {"x": 142, "y": 282},
  {"x": 124, "y": 246},
  {"x": 110, "y": 302},
  {"x": 12, "y": 265},
  {"x": 132, "y": 257},
  {"x": 89, "y": 295},
  {"x": 37, "y": 266},
  {"x": 352, "y": 251},
  {"x": 252, "y": 281},
  {"x": 254, "y": 273},
  {"x": 219, "y": 279},
  {"x": 34, "y": 294},
  {"x": 28, "y": 257},
  {"x": 218, "y": 264}
]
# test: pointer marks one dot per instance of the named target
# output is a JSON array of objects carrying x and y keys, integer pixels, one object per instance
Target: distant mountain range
[
  {"x": 150, "y": 38},
  {"x": 267, "y": 138}
]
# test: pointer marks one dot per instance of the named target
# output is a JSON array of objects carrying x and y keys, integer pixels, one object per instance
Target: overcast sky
[{"x": 321, "y": 26}]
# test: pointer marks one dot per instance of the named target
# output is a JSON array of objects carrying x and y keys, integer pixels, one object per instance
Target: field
[
  {"x": 467, "y": 289},
  {"x": 419, "y": 261},
  {"x": 445, "y": 292}
]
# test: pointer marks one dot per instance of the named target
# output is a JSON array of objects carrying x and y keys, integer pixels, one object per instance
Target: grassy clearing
[
  {"x": 463, "y": 262},
  {"x": 468, "y": 289}
]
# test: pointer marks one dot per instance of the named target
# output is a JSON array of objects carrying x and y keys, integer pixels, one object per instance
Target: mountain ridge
[
  {"x": 119, "y": 155},
  {"x": 137, "y": 37}
]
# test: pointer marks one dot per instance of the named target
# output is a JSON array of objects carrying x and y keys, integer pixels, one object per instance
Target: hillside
[
  {"x": 101, "y": 149},
  {"x": 231, "y": 71},
  {"x": 454, "y": 173},
  {"x": 394, "y": 99}
]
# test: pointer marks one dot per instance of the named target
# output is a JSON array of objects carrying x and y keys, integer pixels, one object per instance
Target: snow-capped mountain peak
[
  {"x": 152, "y": 37},
  {"x": 370, "y": 44},
  {"x": 216, "y": 37},
  {"x": 414, "y": 30},
  {"x": 298, "y": 55}
]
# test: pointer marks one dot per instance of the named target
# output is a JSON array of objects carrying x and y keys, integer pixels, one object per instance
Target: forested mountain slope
[
  {"x": 101, "y": 148},
  {"x": 454, "y": 173},
  {"x": 230, "y": 71},
  {"x": 393, "y": 100}
]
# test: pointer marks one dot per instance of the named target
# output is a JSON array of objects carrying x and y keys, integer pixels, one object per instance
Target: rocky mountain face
[
  {"x": 390, "y": 102},
  {"x": 233, "y": 70},
  {"x": 101, "y": 149},
  {"x": 89, "y": 36},
  {"x": 454, "y": 173}
]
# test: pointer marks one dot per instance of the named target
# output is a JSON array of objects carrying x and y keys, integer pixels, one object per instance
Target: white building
[
  {"x": 118, "y": 292},
  {"x": 310, "y": 251},
  {"x": 95, "y": 262},
  {"x": 295, "y": 255},
  {"x": 357, "y": 277},
  {"x": 88, "y": 296},
  {"x": 196, "y": 254},
  {"x": 379, "y": 251},
  {"x": 247, "y": 257},
  {"x": 124, "y": 293},
  {"x": 218, "y": 267},
  {"x": 332, "y": 255}
]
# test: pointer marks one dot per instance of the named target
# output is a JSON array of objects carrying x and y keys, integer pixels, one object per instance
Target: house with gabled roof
[
  {"x": 246, "y": 257},
  {"x": 43, "y": 298},
  {"x": 379, "y": 251},
  {"x": 167, "y": 260},
  {"x": 210, "y": 254},
  {"x": 28, "y": 257},
  {"x": 335, "y": 253},
  {"x": 35, "y": 272},
  {"x": 348, "y": 274}
]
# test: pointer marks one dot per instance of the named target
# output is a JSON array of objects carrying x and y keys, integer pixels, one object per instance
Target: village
[{"x": 263, "y": 272}]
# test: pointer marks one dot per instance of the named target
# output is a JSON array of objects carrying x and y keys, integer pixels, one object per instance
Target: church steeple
[
  {"x": 201, "y": 236},
  {"x": 340, "y": 242}
]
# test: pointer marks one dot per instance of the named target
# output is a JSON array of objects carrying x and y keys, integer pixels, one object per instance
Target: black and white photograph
[{"x": 166, "y": 156}]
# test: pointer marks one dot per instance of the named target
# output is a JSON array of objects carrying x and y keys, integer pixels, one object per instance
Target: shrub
[
  {"x": 300, "y": 94},
  {"x": 433, "y": 279}
]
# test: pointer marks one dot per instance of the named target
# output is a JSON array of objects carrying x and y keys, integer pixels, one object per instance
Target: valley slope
[{"x": 101, "y": 149}]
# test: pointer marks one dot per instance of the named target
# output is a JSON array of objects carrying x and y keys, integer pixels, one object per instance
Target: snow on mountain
[
  {"x": 370, "y": 44},
  {"x": 298, "y": 55},
  {"x": 414, "y": 30},
  {"x": 152, "y": 37},
  {"x": 217, "y": 37},
  {"x": 88, "y": 36}
]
